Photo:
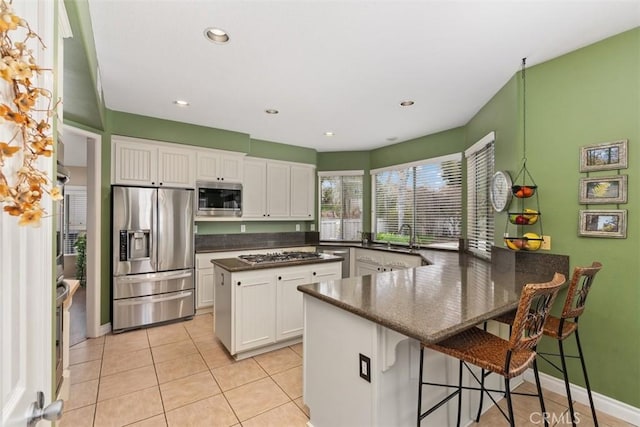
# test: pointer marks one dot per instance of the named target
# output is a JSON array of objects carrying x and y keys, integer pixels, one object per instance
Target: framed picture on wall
[
  {"x": 606, "y": 156},
  {"x": 603, "y": 223},
  {"x": 607, "y": 189}
]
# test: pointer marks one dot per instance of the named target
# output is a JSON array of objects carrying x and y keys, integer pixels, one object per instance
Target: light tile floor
[{"x": 180, "y": 375}]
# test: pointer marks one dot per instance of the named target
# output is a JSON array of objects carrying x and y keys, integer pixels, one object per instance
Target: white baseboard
[
  {"x": 104, "y": 329},
  {"x": 602, "y": 403}
]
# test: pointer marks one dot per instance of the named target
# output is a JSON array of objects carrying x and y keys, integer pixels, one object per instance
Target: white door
[
  {"x": 289, "y": 320},
  {"x": 26, "y": 273}
]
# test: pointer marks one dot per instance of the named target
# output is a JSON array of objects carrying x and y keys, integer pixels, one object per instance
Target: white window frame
[
  {"x": 433, "y": 160},
  {"x": 480, "y": 239},
  {"x": 322, "y": 174}
]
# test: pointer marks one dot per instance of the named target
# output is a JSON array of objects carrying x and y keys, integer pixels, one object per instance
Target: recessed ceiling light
[
  {"x": 181, "y": 103},
  {"x": 271, "y": 111},
  {"x": 216, "y": 35},
  {"x": 407, "y": 103},
  {"x": 393, "y": 138},
  {"x": 329, "y": 134}
]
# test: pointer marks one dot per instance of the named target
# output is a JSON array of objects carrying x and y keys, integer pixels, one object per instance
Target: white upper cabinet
[
  {"x": 278, "y": 190},
  {"x": 142, "y": 162},
  {"x": 254, "y": 194},
  {"x": 212, "y": 165},
  {"x": 302, "y": 191}
]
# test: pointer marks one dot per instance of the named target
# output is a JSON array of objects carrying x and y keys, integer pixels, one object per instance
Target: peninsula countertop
[{"x": 432, "y": 302}]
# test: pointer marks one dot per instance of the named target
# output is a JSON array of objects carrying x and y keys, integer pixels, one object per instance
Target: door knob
[{"x": 38, "y": 412}]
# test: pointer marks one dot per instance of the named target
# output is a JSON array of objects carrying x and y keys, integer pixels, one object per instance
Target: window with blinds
[
  {"x": 426, "y": 196},
  {"x": 75, "y": 216},
  {"x": 340, "y": 205},
  {"x": 480, "y": 223}
]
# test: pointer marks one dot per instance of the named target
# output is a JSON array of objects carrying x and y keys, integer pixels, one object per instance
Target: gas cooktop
[{"x": 277, "y": 257}]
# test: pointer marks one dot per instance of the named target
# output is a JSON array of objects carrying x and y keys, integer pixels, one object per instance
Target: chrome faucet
[{"x": 411, "y": 242}]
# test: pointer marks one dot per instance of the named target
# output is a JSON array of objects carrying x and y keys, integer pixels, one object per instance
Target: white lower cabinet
[
  {"x": 369, "y": 261},
  {"x": 255, "y": 309},
  {"x": 204, "y": 281},
  {"x": 258, "y": 310}
]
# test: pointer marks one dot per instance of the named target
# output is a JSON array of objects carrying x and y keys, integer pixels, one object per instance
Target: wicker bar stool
[
  {"x": 508, "y": 358},
  {"x": 561, "y": 327}
]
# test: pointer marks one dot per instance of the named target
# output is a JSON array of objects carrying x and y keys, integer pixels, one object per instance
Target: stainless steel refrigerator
[{"x": 152, "y": 256}]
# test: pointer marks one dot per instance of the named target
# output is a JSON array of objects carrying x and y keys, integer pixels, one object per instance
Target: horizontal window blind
[
  {"x": 426, "y": 196},
  {"x": 340, "y": 206},
  {"x": 75, "y": 220},
  {"x": 480, "y": 222}
]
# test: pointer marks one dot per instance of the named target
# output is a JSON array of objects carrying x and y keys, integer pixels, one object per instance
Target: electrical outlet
[
  {"x": 365, "y": 367},
  {"x": 546, "y": 243},
  {"x": 243, "y": 228},
  {"x": 313, "y": 227},
  {"x": 297, "y": 227}
]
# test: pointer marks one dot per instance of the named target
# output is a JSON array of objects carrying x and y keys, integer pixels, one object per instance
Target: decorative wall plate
[{"x": 500, "y": 190}]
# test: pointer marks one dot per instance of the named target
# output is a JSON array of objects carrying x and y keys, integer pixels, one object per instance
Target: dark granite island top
[{"x": 432, "y": 302}]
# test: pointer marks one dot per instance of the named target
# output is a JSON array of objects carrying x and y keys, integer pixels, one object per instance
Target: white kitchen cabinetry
[
  {"x": 289, "y": 320},
  {"x": 149, "y": 163},
  {"x": 369, "y": 261},
  {"x": 254, "y": 190},
  {"x": 302, "y": 191},
  {"x": 212, "y": 165},
  {"x": 261, "y": 310},
  {"x": 204, "y": 282},
  {"x": 277, "y": 190}
]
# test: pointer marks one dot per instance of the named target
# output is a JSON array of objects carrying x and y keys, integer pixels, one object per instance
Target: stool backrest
[
  {"x": 536, "y": 300},
  {"x": 579, "y": 288}
]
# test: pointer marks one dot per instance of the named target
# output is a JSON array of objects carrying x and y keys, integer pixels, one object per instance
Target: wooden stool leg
[
  {"x": 567, "y": 386},
  {"x": 586, "y": 380}
]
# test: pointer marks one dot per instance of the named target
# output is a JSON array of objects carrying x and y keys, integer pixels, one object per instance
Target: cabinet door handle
[
  {"x": 222, "y": 276},
  {"x": 239, "y": 283},
  {"x": 279, "y": 277},
  {"x": 314, "y": 273},
  {"x": 222, "y": 179}
]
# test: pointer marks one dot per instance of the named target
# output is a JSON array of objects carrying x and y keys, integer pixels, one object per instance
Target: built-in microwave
[{"x": 218, "y": 199}]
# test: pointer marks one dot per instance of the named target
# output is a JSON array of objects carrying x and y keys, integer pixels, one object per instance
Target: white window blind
[
  {"x": 480, "y": 224},
  {"x": 425, "y": 195},
  {"x": 75, "y": 216},
  {"x": 340, "y": 205}
]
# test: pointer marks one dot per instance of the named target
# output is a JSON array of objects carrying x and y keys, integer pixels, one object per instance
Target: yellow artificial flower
[
  {"x": 31, "y": 217},
  {"x": 7, "y": 151},
  {"x": 13, "y": 210},
  {"x": 21, "y": 70},
  {"x": 56, "y": 194},
  {"x": 25, "y": 102}
]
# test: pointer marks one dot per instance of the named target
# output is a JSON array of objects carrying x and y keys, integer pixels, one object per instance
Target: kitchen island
[
  {"x": 258, "y": 307},
  {"x": 362, "y": 336}
]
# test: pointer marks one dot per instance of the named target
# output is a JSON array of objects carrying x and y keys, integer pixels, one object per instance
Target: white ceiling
[{"x": 340, "y": 66}]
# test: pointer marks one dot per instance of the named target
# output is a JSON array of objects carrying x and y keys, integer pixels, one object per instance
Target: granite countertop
[
  {"x": 432, "y": 302},
  {"x": 234, "y": 265}
]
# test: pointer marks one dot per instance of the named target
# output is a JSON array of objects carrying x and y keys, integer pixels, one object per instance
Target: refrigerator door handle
[
  {"x": 154, "y": 234},
  {"x": 155, "y": 277},
  {"x": 148, "y": 299}
]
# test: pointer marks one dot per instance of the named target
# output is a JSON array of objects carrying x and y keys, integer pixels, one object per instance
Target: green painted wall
[
  {"x": 138, "y": 126},
  {"x": 425, "y": 147},
  {"x": 277, "y": 151},
  {"x": 590, "y": 96},
  {"x": 586, "y": 97}
]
